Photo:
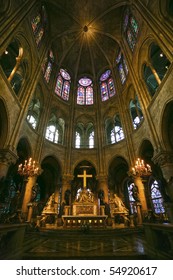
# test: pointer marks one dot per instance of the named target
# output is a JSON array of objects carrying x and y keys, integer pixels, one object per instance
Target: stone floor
[{"x": 76, "y": 244}]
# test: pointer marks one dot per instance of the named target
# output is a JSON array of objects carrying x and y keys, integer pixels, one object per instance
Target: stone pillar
[
  {"x": 28, "y": 184},
  {"x": 139, "y": 220},
  {"x": 103, "y": 185},
  {"x": 30, "y": 210},
  {"x": 165, "y": 161},
  {"x": 7, "y": 157},
  {"x": 66, "y": 184}
]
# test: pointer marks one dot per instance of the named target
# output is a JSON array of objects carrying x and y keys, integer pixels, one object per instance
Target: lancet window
[
  {"x": 55, "y": 130},
  {"x": 47, "y": 66},
  {"x": 156, "y": 198},
  {"x": 130, "y": 28},
  {"x": 84, "y": 136},
  {"x": 107, "y": 87},
  {"x": 122, "y": 67},
  {"x": 34, "y": 113},
  {"x": 62, "y": 87},
  {"x": 39, "y": 24},
  {"x": 136, "y": 112},
  {"x": 85, "y": 91}
]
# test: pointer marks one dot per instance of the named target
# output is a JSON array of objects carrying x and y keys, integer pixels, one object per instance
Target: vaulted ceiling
[{"x": 85, "y": 34}]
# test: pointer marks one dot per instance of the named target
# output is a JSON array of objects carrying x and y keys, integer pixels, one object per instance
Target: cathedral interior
[{"x": 86, "y": 143}]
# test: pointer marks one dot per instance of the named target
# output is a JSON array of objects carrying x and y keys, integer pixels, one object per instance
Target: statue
[
  {"x": 84, "y": 195},
  {"x": 119, "y": 204},
  {"x": 135, "y": 193},
  {"x": 50, "y": 205}
]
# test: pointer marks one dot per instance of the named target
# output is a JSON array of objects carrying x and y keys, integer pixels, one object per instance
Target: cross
[{"x": 84, "y": 176}]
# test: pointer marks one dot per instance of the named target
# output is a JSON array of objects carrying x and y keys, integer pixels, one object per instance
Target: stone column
[
  {"x": 165, "y": 160},
  {"x": 7, "y": 157},
  {"x": 28, "y": 184},
  {"x": 66, "y": 184},
  {"x": 103, "y": 185}
]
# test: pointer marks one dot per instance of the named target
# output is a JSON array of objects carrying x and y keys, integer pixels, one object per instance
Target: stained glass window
[
  {"x": 157, "y": 199},
  {"x": 36, "y": 22},
  {"x": 39, "y": 23},
  {"x": 131, "y": 28},
  {"x": 62, "y": 87},
  {"x": 122, "y": 67},
  {"x": 107, "y": 87},
  {"x": 85, "y": 92},
  {"x": 47, "y": 66}
]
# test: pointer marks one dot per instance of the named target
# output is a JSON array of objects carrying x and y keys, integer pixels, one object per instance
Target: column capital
[
  {"x": 7, "y": 156},
  {"x": 163, "y": 158},
  {"x": 102, "y": 178}
]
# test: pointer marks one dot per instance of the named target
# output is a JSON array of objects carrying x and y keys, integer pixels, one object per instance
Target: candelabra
[
  {"x": 29, "y": 169},
  {"x": 140, "y": 169}
]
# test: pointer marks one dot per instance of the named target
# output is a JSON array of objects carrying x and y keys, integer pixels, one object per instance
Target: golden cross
[{"x": 84, "y": 176}]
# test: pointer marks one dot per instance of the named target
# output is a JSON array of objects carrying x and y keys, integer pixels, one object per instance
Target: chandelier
[
  {"x": 140, "y": 169},
  {"x": 29, "y": 168}
]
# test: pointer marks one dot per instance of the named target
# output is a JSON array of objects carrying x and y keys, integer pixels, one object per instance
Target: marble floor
[{"x": 74, "y": 244}]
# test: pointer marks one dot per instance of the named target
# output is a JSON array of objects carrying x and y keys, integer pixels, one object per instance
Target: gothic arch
[
  {"x": 50, "y": 178},
  {"x": 167, "y": 126},
  {"x": 117, "y": 172}
]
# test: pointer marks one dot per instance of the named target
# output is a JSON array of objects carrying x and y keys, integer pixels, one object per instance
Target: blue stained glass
[
  {"x": 157, "y": 198},
  {"x": 104, "y": 91},
  {"x": 125, "y": 66},
  {"x": 130, "y": 39},
  {"x": 85, "y": 82},
  {"x": 111, "y": 87},
  {"x": 39, "y": 36},
  {"x": 65, "y": 75},
  {"x": 48, "y": 72},
  {"x": 80, "y": 95},
  {"x": 89, "y": 95},
  {"x": 134, "y": 25},
  {"x": 58, "y": 87},
  {"x": 107, "y": 85},
  {"x": 36, "y": 22},
  {"x": 118, "y": 59},
  {"x": 66, "y": 90},
  {"x": 105, "y": 75},
  {"x": 131, "y": 29},
  {"x": 122, "y": 73},
  {"x": 62, "y": 87}
]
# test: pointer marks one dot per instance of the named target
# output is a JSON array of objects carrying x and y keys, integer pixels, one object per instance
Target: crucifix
[{"x": 84, "y": 176}]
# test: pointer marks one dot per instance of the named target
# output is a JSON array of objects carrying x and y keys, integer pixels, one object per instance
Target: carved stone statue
[
  {"x": 135, "y": 193},
  {"x": 50, "y": 205},
  {"x": 84, "y": 195},
  {"x": 119, "y": 204}
]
